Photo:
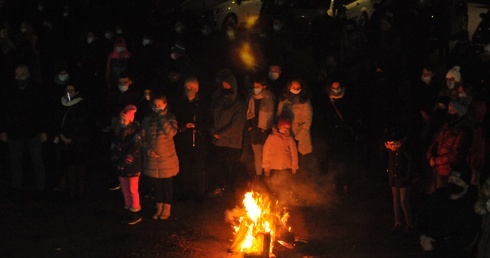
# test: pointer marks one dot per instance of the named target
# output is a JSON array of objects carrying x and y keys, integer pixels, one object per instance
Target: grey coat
[{"x": 157, "y": 132}]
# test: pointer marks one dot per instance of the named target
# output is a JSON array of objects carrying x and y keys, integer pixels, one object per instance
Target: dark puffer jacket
[{"x": 126, "y": 151}]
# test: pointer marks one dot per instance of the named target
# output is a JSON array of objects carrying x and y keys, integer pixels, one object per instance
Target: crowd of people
[{"x": 178, "y": 103}]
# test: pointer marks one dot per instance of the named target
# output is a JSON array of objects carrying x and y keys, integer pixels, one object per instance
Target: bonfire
[{"x": 257, "y": 225}]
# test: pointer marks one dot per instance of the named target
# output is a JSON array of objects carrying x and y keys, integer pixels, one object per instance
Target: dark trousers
[
  {"x": 226, "y": 167},
  {"x": 35, "y": 151},
  {"x": 190, "y": 182},
  {"x": 163, "y": 189}
]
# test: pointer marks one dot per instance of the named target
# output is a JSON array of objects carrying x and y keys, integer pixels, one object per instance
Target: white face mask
[
  {"x": 462, "y": 95},
  {"x": 65, "y": 14},
  {"x": 257, "y": 91},
  {"x": 63, "y": 77},
  {"x": 230, "y": 34},
  {"x": 273, "y": 76},
  {"x": 23, "y": 29},
  {"x": 450, "y": 84},
  {"x": 120, "y": 49},
  {"x": 276, "y": 27},
  {"x": 426, "y": 79},
  {"x": 159, "y": 109},
  {"x": 179, "y": 30},
  {"x": 108, "y": 35},
  {"x": 337, "y": 91},
  {"x": 90, "y": 40},
  {"x": 145, "y": 42},
  {"x": 295, "y": 92},
  {"x": 123, "y": 88},
  {"x": 119, "y": 32}
]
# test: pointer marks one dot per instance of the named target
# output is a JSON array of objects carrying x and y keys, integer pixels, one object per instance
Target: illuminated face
[
  {"x": 284, "y": 129},
  {"x": 70, "y": 89},
  {"x": 22, "y": 73},
  {"x": 451, "y": 110},
  {"x": 225, "y": 85},
  {"x": 125, "y": 82},
  {"x": 159, "y": 104},
  {"x": 426, "y": 73},
  {"x": 393, "y": 145},
  {"x": 192, "y": 86},
  {"x": 123, "y": 120},
  {"x": 336, "y": 86},
  {"x": 295, "y": 86},
  {"x": 259, "y": 87},
  {"x": 275, "y": 69}
]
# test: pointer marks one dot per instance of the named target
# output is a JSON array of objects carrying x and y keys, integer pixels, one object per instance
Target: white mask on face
[
  {"x": 119, "y": 32},
  {"x": 90, "y": 40},
  {"x": 23, "y": 29},
  {"x": 295, "y": 92},
  {"x": 426, "y": 79},
  {"x": 145, "y": 42},
  {"x": 123, "y": 88},
  {"x": 230, "y": 34},
  {"x": 108, "y": 35},
  {"x": 159, "y": 109},
  {"x": 65, "y": 14},
  {"x": 337, "y": 91},
  {"x": 462, "y": 95},
  {"x": 63, "y": 77},
  {"x": 179, "y": 30},
  {"x": 276, "y": 27},
  {"x": 273, "y": 76},
  {"x": 120, "y": 49},
  {"x": 451, "y": 84}
]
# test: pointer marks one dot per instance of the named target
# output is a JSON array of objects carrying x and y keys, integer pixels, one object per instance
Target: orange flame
[{"x": 257, "y": 218}]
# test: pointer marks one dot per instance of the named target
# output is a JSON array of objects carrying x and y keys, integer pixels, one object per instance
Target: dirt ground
[{"x": 52, "y": 226}]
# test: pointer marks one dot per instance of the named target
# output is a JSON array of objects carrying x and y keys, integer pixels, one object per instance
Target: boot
[
  {"x": 166, "y": 211},
  {"x": 159, "y": 210}
]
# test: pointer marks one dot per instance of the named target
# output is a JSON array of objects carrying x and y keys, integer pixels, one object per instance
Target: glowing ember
[{"x": 258, "y": 220}]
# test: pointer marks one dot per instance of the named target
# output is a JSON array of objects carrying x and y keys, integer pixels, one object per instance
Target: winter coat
[
  {"x": 400, "y": 167},
  {"x": 158, "y": 131},
  {"x": 280, "y": 152},
  {"x": 126, "y": 151},
  {"x": 117, "y": 62},
  {"x": 196, "y": 112},
  {"x": 301, "y": 114},
  {"x": 451, "y": 146},
  {"x": 229, "y": 117},
  {"x": 260, "y": 115},
  {"x": 23, "y": 112},
  {"x": 72, "y": 120},
  {"x": 452, "y": 223}
]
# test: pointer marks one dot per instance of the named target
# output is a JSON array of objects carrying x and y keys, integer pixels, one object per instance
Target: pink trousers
[{"x": 129, "y": 188}]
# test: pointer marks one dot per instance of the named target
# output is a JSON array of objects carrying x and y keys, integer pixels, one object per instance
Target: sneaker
[
  {"x": 134, "y": 218},
  {"x": 114, "y": 187}
]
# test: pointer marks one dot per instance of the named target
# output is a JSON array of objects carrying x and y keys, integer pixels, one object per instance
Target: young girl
[
  {"x": 400, "y": 174},
  {"x": 126, "y": 159}
]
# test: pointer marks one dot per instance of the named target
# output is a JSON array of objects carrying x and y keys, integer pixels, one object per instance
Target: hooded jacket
[
  {"x": 280, "y": 152},
  {"x": 229, "y": 115},
  {"x": 117, "y": 61}
]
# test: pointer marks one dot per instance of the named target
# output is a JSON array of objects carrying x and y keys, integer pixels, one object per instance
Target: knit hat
[
  {"x": 462, "y": 172},
  {"x": 454, "y": 73},
  {"x": 128, "y": 112},
  {"x": 283, "y": 121},
  {"x": 458, "y": 107}
]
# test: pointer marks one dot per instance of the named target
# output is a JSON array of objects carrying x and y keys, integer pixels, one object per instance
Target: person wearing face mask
[
  {"x": 260, "y": 118},
  {"x": 295, "y": 102},
  {"x": 192, "y": 142},
  {"x": 229, "y": 118},
  {"x": 72, "y": 133},
  {"x": 280, "y": 160},
  {"x": 119, "y": 97},
  {"x": 400, "y": 175},
  {"x": 25, "y": 127},
  {"x": 453, "y": 80},
  {"x": 117, "y": 61},
  {"x": 276, "y": 78},
  {"x": 452, "y": 144},
  {"x": 448, "y": 224},
  {"x": 161, "y": 163},
  {"x": 279, "y": 42},
  {"x": 126, "y": 159}
]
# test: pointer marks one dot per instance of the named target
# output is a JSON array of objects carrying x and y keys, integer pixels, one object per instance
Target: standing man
[{"x": 24, "y": 126}]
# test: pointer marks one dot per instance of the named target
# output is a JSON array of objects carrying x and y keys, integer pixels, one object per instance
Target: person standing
[
  {"x": 160, "y": 161},
  {"x": 126, "y": 159},
  {"x": 24, "y": 126},
  {"x": 260, "y": 117},
  {"x": 295, "y": 103}
]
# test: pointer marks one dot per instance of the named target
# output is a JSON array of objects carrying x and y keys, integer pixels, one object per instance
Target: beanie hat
[
  {"x": 462, "y": 172},
  {"x": 454, "y": 73},
  {"x": 283, "y": 121},
  {"x": 128, "y": 112},
  {"x": 458, "y": 107},
  {"x": 178, "y": 49}
]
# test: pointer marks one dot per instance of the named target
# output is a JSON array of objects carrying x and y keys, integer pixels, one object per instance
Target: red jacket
[{"x": 451, "y": 146}]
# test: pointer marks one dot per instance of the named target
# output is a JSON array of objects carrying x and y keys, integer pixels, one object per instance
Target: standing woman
[
  {"x": 72, "y": 125},
  {"x": 295, "y": 103},
  {"x": 160, "y": 160}
]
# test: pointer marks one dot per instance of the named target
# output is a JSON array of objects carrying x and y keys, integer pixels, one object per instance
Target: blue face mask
[
  {"x": 123, "y": 125},
  {"x": 158, "y": 110}
]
